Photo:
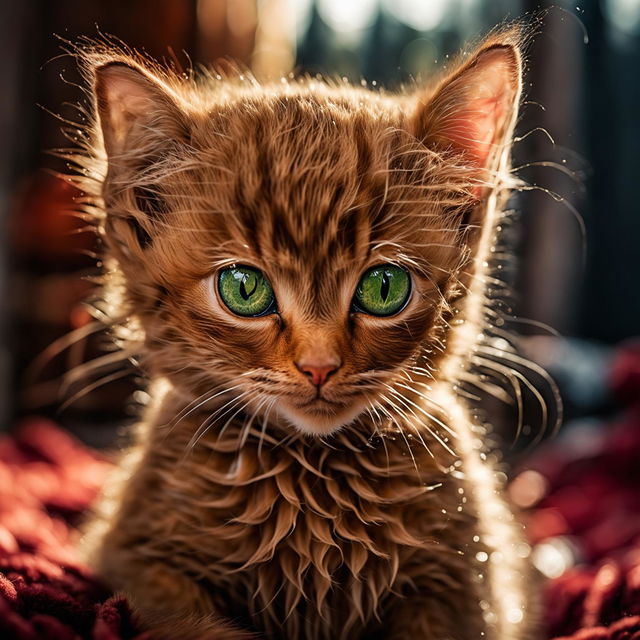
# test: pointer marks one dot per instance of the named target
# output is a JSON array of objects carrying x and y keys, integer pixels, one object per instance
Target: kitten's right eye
[{"x": 246, "y": 292}]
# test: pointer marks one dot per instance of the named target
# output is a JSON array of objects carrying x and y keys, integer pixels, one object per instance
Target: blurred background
[
  {"x": 575, "y": 293},
  {"x": 575, "y": 241}
]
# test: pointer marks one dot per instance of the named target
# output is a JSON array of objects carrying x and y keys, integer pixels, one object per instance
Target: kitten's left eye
[
  {"x": 246, "y": 291},
  {"x": 382, "y": 291}
]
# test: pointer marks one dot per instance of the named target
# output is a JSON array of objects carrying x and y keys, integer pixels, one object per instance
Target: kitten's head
[{"x": 297, "y": 245}]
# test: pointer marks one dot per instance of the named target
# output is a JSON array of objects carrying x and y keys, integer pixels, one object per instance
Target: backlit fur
[{"x": 246, "y": 504}]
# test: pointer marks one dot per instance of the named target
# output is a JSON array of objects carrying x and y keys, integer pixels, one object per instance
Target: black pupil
[
  {"x": 384, "y": 287},
  {"x": 243, "y": 289}
]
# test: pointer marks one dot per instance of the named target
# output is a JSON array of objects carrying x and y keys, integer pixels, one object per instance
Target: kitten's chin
[{"x": 321, "y": 418}]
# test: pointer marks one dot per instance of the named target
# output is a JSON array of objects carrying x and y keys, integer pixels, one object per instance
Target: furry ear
[
  {"x": 473, "y": 110},
  {"x": 142, "y": 123},
  {"x": 135, "y": 109}
]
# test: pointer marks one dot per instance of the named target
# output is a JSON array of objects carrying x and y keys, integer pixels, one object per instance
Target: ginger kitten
[{"x": 300, "y": 268}]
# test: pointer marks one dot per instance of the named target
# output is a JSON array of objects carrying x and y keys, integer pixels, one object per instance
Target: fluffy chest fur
[{"x": 300, "y": 538}]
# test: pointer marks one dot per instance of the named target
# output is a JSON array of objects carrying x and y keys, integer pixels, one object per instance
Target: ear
[
  {"x": 142, "y": 122},
  {"x": 472, "y": 112},
  {"x": 135, "y": 109}
]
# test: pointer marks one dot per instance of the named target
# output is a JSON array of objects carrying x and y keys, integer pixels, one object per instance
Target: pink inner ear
[
  {"x": 474, "y": 128},
  {"x": 125, "y": 95},
  {"x": 482, "y": 96}
]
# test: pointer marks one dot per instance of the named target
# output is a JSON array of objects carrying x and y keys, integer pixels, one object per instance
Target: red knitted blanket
[{"x": 47, "y": 479}]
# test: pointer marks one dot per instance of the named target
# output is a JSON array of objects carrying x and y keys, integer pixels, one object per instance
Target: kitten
[{"x": 300, "y": 268}]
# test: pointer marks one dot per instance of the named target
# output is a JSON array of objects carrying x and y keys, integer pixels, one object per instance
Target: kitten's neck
[{"x": 411, "y": 424}]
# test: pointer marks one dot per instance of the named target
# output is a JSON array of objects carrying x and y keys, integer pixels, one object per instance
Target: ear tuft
[{"x": 473, "y": 110}]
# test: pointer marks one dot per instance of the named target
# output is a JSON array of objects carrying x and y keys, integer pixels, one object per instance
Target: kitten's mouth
[
  {"x": 320, "y": 404},
  {"x": 319, "y": 416}
]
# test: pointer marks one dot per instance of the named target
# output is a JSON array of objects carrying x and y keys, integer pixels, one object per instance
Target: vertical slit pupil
[
  {"x": 243, "y": 287},
  {"x": 384, "y": 287}
]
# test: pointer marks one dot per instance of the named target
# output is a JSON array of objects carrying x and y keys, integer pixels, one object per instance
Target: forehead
[{"x": 300, "y": 172}]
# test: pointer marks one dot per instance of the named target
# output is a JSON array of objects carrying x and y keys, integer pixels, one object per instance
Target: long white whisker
[
  {"x": 401, "y": 431},
  {"x": 406, "y": 400},
  {"x": 210, "y": 419}
]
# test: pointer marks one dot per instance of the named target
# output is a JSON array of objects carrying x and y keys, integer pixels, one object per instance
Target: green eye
[
  {"x": 382, "y": 290},
  {"x": 246, "y": 291}
]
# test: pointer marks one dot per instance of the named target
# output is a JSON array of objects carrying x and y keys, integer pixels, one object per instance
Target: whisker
[
  {"x": 406, "y": 400},
  {"x": 401, "y": 430},
  {"x": 426, "y": 413},
  {"x": 94, "y": 385},
  {"x": 209, "y": 421},
  {"x": 185, "y": 413}
]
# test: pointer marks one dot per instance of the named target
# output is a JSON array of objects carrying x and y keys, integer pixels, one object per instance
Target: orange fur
[{"x": 246, "y": 504}]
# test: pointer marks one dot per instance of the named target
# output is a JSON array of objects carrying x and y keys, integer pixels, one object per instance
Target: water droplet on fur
[
  {"x": 141, "y": 396},
  {"x": 482, "y": 556},
  {"x": 476, "y": 538},
  {"x": 489, "y": 617},
  {"x": 514, "y": 616}
]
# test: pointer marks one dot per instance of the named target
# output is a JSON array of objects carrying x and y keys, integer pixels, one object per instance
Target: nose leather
[{"x": 318, "y": 373}]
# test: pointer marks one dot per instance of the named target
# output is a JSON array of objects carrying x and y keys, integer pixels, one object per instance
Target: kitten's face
[{"x": 292, "y": 252}]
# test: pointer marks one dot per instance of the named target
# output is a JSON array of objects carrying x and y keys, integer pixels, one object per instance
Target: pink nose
[{"x": 318, "y": 373}]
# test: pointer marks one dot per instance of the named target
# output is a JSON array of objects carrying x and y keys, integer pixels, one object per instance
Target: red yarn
[
  {"x": 46, "y": 481},
  {"x": 593, "y": 500}
]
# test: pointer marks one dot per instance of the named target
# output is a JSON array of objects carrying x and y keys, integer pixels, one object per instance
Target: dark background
[{"x": 576, "y": 245}]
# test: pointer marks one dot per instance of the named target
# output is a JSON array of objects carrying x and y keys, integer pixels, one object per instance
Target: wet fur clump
[{"x": 254, "y": 503}]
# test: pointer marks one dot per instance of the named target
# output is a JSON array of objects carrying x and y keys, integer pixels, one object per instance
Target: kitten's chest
[{"x": 305, "y": 538}]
